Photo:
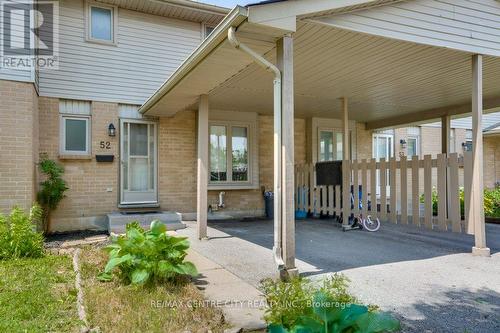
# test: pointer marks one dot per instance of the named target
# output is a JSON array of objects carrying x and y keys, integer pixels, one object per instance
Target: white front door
[{"x": 139, "y": 162}]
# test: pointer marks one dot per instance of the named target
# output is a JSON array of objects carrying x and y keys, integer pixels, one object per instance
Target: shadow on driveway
[{"x": 322, "y": 244}]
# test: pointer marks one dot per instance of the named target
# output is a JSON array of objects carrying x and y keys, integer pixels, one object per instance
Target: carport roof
[{"x": 385, "y": 79}]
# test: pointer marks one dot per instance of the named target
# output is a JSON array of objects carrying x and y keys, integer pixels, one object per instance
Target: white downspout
[{"x": 231, "y": 36}]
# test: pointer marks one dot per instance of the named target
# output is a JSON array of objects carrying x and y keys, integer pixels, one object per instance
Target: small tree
[{"x": 51, "y": 190}]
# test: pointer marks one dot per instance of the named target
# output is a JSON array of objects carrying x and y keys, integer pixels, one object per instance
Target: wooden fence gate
[{"x": 430, "y": 193}]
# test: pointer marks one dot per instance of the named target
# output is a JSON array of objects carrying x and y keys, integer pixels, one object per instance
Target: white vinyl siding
[
  {"x": 14, "y": 74},
  {"x": 149, "y": 48},
  {"x": 467, "y": 25},
  {"x": 74, "y": 107}
]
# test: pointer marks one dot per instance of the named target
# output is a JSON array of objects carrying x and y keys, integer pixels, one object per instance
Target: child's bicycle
[{"x": 359, "y": 221}]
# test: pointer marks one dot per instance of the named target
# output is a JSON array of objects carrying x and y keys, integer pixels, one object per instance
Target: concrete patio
[{"x": 427, "y": 278}]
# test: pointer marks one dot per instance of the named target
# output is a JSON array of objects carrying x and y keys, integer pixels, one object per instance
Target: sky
[{"x": 227, "y": 3}]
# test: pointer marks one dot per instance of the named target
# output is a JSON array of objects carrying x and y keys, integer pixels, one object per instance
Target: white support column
[
  {"x": 285, "y": 64},
  {"x": 346, "y": 174},
  {"x": 477, "y": 208},
  {"x": 445, "y": 149},
  {"x": 202, "y": 181}
]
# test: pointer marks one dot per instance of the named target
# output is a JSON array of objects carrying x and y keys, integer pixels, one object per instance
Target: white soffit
[
  {"x": 223, "y": 63},
  {"x": 381, "y": 77},
  {"x": 465, "y": 25}
]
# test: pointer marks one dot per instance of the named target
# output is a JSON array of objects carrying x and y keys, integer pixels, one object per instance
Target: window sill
[
  {"x": 101, "y": 41},
  {"x": 75, "y": 157},
  {"x": 218, "y": 187}
]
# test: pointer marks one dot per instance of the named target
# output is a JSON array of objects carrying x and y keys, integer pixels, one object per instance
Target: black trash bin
[{"x": 269, "y": 204}]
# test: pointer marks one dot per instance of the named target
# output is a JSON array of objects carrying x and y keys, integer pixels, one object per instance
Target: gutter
[
  {"x": 231, "y": 37},
  {"x": 214, "y": 9},
  {"x": 237, "y": 16}
]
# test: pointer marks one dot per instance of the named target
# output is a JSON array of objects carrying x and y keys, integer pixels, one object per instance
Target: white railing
[{"x": 403, "y": 190}]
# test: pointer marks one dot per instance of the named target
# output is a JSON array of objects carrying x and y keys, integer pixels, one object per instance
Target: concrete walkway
[
  {"x": 428, "y": 279},
  {"x": 241, "y": 303}
]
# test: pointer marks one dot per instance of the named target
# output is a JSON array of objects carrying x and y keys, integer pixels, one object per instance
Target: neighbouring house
[
  {"x": 247, "y": 108},
  {"x": 424, "y": 139}
]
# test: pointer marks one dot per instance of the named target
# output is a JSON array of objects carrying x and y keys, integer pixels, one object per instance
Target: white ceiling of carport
[{"x": 381, "y": 77}]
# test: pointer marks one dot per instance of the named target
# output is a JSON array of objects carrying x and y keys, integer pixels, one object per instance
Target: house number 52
[{"x": 105, "y": 145}]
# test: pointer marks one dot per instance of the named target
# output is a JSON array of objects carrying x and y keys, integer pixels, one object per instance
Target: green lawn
[{"x": 38, "y": 295}]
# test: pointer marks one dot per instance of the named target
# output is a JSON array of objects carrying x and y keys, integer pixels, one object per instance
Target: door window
[{"x": 138, "y": 162}]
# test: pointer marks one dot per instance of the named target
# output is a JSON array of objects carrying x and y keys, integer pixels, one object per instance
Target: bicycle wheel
[{"x": 371, "y": 225}]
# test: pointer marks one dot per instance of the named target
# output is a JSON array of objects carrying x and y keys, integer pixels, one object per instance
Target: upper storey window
[{"x": 101, "y": 23}]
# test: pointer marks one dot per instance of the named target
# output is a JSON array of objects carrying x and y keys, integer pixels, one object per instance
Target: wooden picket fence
[{"x": 398, "y": 190}]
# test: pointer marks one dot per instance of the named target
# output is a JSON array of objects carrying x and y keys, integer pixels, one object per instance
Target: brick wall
[
  {"x": 18, "y": 144},
  {"x": 93, "y": 186},
  {"x": 491, "y": 160},
  {"x": 363, "y": 141}
]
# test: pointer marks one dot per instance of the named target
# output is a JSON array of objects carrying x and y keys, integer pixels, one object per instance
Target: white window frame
[
  {"x": 229, "y": 153},
  {"x": 88, "y": 23},
  {"x": 417, "y": 144},
  {"x": 334, "y": 131},
  {"x": 204, "y": 27},
  {"x": 62, "y": 136},
  {"x": 375, "y": 155}
]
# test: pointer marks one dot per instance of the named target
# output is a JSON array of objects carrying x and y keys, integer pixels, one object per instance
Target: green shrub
[
  {"x": 51, "y": 190},
  {"x": 491, "y": 202},
  {"x": 287, "y": 301},
  {"x": 143, "y": 256},
  {"x": 297, "y": 306},
  {"x": 18, "y": 235}
]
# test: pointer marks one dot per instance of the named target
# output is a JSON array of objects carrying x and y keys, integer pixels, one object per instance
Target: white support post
[
  {"x": 202, "y": 182},
  {"x": 477, "y": 208},
  {"x": 346, "y": 173},
  {"x": 445, "y": 149},
  {"x": 285, "y": 64}
]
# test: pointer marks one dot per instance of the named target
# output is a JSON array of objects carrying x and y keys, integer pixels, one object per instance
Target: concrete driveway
[{"x": 427, "y": 278}]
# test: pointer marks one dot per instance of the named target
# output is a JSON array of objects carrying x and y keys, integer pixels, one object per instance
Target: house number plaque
[{"x": 105, "y": 145}]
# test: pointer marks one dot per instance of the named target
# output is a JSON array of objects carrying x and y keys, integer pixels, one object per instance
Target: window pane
[
  {"x": 151, "y": 156},
  {"x": 412, "y": 147},
  {"x": 101, "y": 21},
  {"x": 218, "y": 153},
  {"x": 208, "y": 31},
  {"x": 125, "y": 156},
  {"x": 240, "y": 153},
  {"x": 76, "y": 135},
  {"x": 138, "y": 139},
  {"x": 326, "y": 146},
  {"x": 339, "y": 150},
  {"x": 139, "y": 174}
]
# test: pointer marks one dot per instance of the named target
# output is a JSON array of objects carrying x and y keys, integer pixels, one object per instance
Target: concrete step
[{"x": 117, "y": 221}]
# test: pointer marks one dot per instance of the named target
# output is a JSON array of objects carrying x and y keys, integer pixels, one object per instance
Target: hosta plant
[
  {"x": 328, "y": 316},
  {"x": 145, "y": 256}
]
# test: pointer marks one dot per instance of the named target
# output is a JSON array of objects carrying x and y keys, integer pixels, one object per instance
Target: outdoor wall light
[
  {"x": 111, "y": 130},
  {"x": 403, "y": 143}
]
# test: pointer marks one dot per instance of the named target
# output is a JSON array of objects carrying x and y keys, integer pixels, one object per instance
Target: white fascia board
[
  {"x": 236, "y": 17},
  {"x": 283, "y": 15}
]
